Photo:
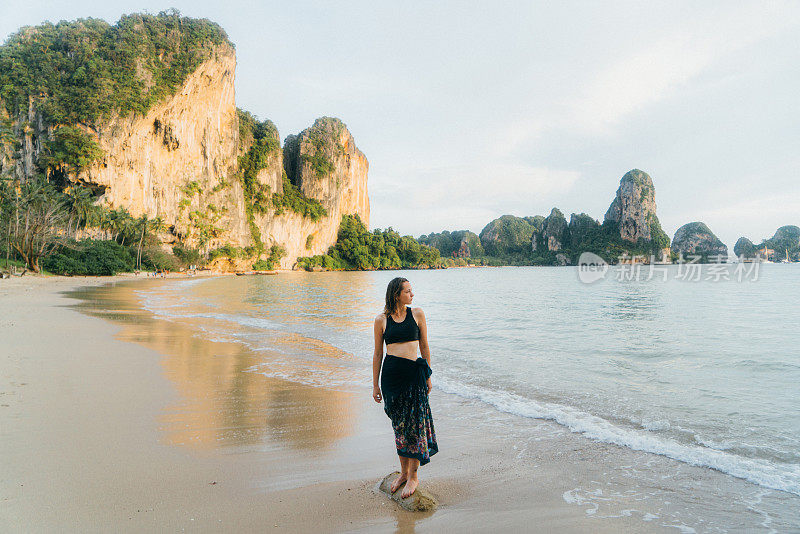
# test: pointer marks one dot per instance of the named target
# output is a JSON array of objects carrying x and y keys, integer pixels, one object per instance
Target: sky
[{"x": 468, "y": 111}]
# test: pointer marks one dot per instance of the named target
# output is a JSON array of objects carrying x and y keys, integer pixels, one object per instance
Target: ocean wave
[{"x": 763, "y": 473}]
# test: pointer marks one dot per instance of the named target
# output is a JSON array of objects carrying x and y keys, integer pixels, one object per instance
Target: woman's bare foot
[
  {"x": 411, "y": 487},
  {"x": 397, "y": 483}
]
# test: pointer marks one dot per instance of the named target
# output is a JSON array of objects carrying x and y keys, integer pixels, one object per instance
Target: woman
[{"x": 405, "y": 382}]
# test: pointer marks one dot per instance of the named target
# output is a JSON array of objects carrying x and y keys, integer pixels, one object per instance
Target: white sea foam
[{"x": 761, "y": 472}]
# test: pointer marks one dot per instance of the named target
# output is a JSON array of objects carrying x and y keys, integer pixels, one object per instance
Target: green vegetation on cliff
[
  {"x": 324, "y": 137},
  {"x": 293, "y": 199},
  {"x": 786, "y": 238},
  {"x": 460, "y": 243},
  {"x": 512, "y": 240},
  {"x": 86, "y": 70},
  {"x": 507, "y": 236},
  {"x": 695, "y": 241},
  {"x": 264, "y": 148},
  {"x": 264, "y": 144},
  {"x": 358, "y": 249},
  {"x": 785, "y": 242},
  {"x": 71, "y": 151}
]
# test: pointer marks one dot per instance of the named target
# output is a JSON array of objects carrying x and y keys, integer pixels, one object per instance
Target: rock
[
  {"x": 697, "y": 238},
  {"x": 507, "y": 235},
  {"x": 786, "y": 237},
  {"x": 744, "y": 247},
  {"x": 783, "y": 246},
  {"x": 180, "y": 161},
  {"x": 537, "y": 221},
  {"x": 556, "y": 231},
  {"x": 324, "y": 162},
  {"x": 633, "y": 210},
  {"x": 457, "y": 244},
  {"x": 550, "y": 233},
  {"x": 419, "y": 501},
  {"x": 579, "y": 227}
]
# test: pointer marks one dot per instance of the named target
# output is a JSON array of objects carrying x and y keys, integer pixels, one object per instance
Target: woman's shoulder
[
  {"x": 380, "y": 318},
  {"x": 417, "y": 312}
]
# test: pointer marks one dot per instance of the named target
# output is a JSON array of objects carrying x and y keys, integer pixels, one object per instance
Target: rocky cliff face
[
  {"x": 579, "y": 227},
  {"x": 179, "y": 158},
  {"x": 787, "y": 236},
  {"x": 697, "y": 238},
  {"x": 556, "y": 231},
  {"x": 744, "y": 247},
  {"x": 26, "y": 129},
  {"x": 324, "y": 162},
  {"x": 550, "y": 233},
  {"x": 180, "y": 162},
  {"x": 507, "y": 235},
  {"x": 457, "y": 244},
  {"x": 634, "y": 206},
  {"x": 469, "y": 244},
  {"x": 782, "y": 246}
]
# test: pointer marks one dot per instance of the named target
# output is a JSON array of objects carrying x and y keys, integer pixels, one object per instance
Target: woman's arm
[
  {"x": 377, "y": 356},
  {"x": 423, "y": 341},
  {"x": 423, "y": 335}
]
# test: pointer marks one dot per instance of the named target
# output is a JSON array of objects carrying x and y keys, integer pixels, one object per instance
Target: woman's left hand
[{"x": 428, "y": 382}]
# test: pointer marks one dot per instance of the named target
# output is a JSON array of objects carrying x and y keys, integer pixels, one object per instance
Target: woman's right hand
[{"x": 376, "y": 393}]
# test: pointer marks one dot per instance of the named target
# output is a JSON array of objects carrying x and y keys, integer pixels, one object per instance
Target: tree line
[{"x": 40, "y": 225}]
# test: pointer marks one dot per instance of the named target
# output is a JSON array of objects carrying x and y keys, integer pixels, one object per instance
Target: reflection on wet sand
[{"x": 221, "y": 403}]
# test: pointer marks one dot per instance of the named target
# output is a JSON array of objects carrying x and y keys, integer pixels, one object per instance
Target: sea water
[{"x": 702, "y": 366}]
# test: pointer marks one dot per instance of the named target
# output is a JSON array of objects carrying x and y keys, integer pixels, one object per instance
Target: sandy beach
[{"x": 113, "y": 420}]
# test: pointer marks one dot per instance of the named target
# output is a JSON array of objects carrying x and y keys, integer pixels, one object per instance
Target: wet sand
[{"x": 113, "y": 420}]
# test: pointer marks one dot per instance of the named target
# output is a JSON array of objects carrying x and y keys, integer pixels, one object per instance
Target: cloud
[
  {"x": 753, "y": 209},
  {"x": 500, "y": 186},
  {"x": 656, "y": 70},
  {"x": 465, "y": 196}
]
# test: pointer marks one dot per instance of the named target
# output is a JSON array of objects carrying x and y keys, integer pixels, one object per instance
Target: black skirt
[{"x": 405, "y": 397}]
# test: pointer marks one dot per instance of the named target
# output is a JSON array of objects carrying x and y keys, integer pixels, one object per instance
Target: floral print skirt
[{"x": 405, "y": 395}]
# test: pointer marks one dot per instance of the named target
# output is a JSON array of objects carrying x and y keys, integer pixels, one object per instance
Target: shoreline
[{"x": 158, "y": 443}]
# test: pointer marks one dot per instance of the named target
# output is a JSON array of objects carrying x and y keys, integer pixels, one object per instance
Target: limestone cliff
[
  {"x": 695, "y": 238},
  {"x": 784, "y": 245},
  {"x": 181, "y": 160},
  {"x": 507, "y": 235},
  {"x": 744, "y": 247},
  {"x": 178, "y": 160},
  {"x": 556, "y": 230},
  {"x": 786, "y": 237},
  {"x": 457, "y": 244},
  {"x": 580, "y": 226},
  {"x": 633, "y": 210},
  {"x": 325, "y": 164}
]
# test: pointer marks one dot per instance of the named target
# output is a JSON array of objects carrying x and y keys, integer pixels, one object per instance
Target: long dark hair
[{"x": 392, "y": 292}]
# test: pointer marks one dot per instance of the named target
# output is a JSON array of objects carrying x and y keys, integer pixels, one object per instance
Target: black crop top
[{"x": 398, "y": 332}]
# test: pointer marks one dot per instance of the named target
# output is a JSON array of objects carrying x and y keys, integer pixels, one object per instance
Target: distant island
[
  {"x": 630, "y": 231},
  {"x": 122, "y": 149}
]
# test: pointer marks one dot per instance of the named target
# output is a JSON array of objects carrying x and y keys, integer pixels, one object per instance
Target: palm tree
[
  {"x": 105, "y": 220},
  {"x": 124, "y": 224},
  {"x": 82, "y": 205},
  {"x": 159, "y": 225},
  {"x": 141, "y": 225},
  {"x": 144, "y": 227}
]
